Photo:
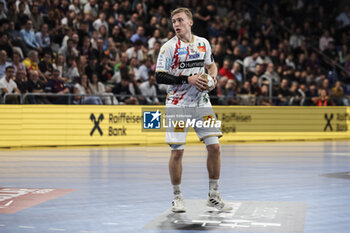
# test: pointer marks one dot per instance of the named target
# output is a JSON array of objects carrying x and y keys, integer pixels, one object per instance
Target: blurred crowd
[{"x": 267, "y": 52}]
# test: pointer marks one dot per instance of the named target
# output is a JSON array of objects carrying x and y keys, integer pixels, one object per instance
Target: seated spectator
[
  {"x": 272, "y": 74},
  {"x": 57, "y": 86},
  {"x": 230, "y": 93},
  {"x": 30, "y": 62},
  {"x": 69, "y": 50},
  {"x": 220, "y": 89},
  {"x": 139, "y": 35},
  {"x": 29, "y": 37},
  {"x": 236, "y": 72},
  {"x": 148, "y": 89},
  {"x": 154, "y": 52},
  {"x": 43, "y": 37},
  {"x": 264, "y": 98},
  {"x": 99, "y": 88},
  {"x": 135, "y": 51},
  {"x": 257, "y": 72},
  {"x": 21, "y": 81},
  {"x": 60, "y": 63},
  {"x": 254, "y": 85},
  {"x": 82, "y": 88},
  {"x": 45, "y": 66},
  {"x": 17, "y": 64},
  {"x": 5, "y": 45},
  {"x": 105, "y": 69},
  {"x": 250, "y": 62},
  {"x": 283, "y": 93},
  {"x": 225, "y": 70},
  {"x": 34, "y": 85},
  {"x": 122, "y": 89},
  {"x": 36, "y": 17},
  {"x": 154, "y": 38},
  {"x": 7, "y": 86},
  {"x": 323, "y": 98},
  {"x": 3, "y": 63},
  {"x": 100, "y": 21},
  {"x": 338, "y": 95},
  {"x": 246, "y": 89},
  {"x": 70, "y": 70}
]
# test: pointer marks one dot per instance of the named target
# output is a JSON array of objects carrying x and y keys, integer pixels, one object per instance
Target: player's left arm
[{"x": 212, "y": 71}]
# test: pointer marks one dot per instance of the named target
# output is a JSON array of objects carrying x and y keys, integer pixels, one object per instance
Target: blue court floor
[{"x": 122, "y": 189}]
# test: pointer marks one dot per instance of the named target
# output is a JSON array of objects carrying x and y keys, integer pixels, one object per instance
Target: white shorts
[{"x": 177, "y": 133}]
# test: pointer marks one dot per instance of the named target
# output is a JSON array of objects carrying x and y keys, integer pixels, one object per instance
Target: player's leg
[
  {"x": 175, "y": 171},
  {"x": 214, "y": 166}
]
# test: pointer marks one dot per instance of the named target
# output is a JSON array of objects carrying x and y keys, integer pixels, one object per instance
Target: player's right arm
[{"x": 163, "y": 75}]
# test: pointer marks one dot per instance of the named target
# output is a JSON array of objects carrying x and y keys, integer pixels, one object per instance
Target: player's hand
[{"x": 198, "y": 82}]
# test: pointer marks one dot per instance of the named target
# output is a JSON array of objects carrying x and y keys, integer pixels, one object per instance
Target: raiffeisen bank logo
[{"x": 152, "y": 120}]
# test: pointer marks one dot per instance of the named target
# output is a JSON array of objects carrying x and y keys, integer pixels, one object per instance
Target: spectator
[
  {"x": 5, "y": 45},
  {"x": 8, "y": 86},
  {"x": 28, "y": 36},
  {"x": 122, "y": 89},
  {"x": 148, "y": 89},
  {"x": 154, "y": 52},
  {"x": 324, "y": 40},
  {"x": 246, "y": 89},
  {"x": 230, "y": 93},
  {"x": 56, "y": 86},
  {"x": 21, "y": 81},
  {"x": 91, "y": 8},
  {"x": 70, "y": 71},
  {"x": 99, "y": 88},
  {"x": 132, "y": 23},
  {"x": 296, "y": 39},
  {"x": 36, "y": 17},
  {"x": 236, "y": 72},
  {"x": 43, "y": 37},
  {"x": 3, "y": 63},
  {"x": 100, "y": 21},
  {"x": 323, "y": 99},
  {"x": 225, "y": 70},
  {"x": 339, "y": 96},
  {"x": 156, "y": 37},
  {"x": 312, "y": 95},
  {"x": 45, "y": 66},
  {"x": 272, "y": 74},
  {"x": 69, "y": 50},
  {"x": 81, "y": 89},
  {"x": 139, "y": 35},
  {"x": 31, "y": 61},
  {"x": 283, "y": 93},
  {"x": 220, "y": 87},
  {"x": 17, "y": 64},
  {"x": 135, "y": 51},
  {"x": 250, "y": 62},
  {"x": 264, "y": 99},
  {"x": 254, "y": 85},
  {"x": 34, "y": 85}
]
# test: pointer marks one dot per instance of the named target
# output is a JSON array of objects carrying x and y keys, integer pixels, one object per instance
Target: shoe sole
[{"x": 220, "y": 209}]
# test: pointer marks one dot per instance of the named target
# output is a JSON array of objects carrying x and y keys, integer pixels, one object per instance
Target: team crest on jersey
[
  {"x": 201, "y": 47},
  {"x": 182, "y": 51}
]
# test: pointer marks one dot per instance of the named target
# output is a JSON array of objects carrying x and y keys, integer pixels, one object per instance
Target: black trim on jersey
[
  {"x": 165, "y": 78},
  {"x": 191, "y": 64}
]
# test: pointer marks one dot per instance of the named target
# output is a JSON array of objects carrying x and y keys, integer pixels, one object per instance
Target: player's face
[{"x": 181, "y": 24}]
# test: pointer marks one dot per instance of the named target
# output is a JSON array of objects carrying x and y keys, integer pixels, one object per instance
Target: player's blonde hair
[{"x": 182, "y": 9}]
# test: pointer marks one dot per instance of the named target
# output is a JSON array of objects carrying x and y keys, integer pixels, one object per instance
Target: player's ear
[{"x": 191, "y": 23}]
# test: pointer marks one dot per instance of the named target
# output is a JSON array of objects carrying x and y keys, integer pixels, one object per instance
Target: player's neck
[{"x": 187, "y": 38}]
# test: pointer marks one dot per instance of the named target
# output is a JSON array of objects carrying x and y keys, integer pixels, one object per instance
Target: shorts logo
[
  {"x": 96, "y": 123},
  {"x": 178, "y": 128},
  {"x": 182, "y": 51},
  {"x": 191, "y": 64},
  {"x": 193, "y": 56},
  {"x": 151, "y": 120}
]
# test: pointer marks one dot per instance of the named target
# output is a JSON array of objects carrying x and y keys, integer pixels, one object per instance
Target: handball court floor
[{"x": 126, "y": 189}]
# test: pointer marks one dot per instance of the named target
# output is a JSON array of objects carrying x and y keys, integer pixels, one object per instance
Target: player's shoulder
[
  {"x": 200, "y": 39},
  {"x": 169, "y": 44}
]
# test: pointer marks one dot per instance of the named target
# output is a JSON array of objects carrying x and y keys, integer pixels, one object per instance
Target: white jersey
[{"x": 180, "y": 58}]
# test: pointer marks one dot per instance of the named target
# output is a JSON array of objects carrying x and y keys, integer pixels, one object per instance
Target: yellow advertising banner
[{"x": 69, "y": 125}]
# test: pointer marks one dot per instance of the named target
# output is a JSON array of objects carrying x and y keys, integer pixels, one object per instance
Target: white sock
[
  {"x": 213, "y": 184},
  {"x": 176, "y": 189}
]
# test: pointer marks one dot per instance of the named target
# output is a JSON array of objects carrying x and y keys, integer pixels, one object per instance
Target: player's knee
[
  {"x": 214, "y": 149},
  {"x": 177, "y": 154}
]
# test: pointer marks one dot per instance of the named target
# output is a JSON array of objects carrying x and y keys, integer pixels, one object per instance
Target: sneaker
[
  {"x": 178, "y": 204},
  {"x": 214, "y": 200}
]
